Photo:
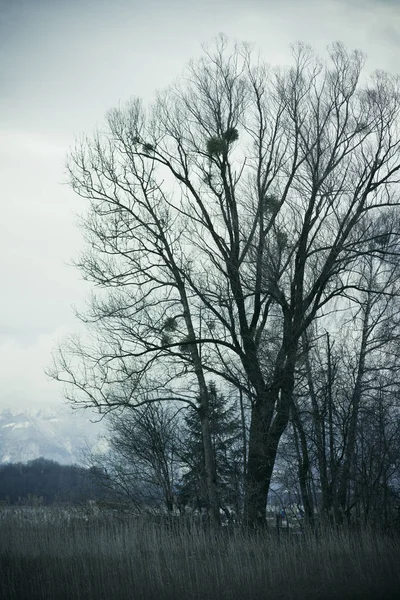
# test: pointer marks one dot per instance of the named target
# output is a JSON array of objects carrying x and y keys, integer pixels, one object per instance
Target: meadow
[{"x": 69, "y": 555}]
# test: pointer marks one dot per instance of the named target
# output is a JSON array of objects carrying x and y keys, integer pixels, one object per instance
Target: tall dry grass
[{"x": 108, "y": 558}]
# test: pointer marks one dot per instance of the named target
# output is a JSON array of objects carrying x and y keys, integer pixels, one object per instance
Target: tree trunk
[
  {"x": 343, "y": 487},
  {"x": 244, "y": 434},
  {"x": 265, "y": 434},
  {"x": 209, "y": 455},
  {"x": 260, "y": 464},
  {"x": 303, "y": 465},
  {"x": 319, "y": 436},
  {"x": 210, "y": 469}
]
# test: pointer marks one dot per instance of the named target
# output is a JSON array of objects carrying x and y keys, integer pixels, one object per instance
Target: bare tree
[
  {"x": 141, "y": 455},
  {"x": 343, "y": 377},
  {"x": 376, "y": 469},
  {"x": 227, "y": 212}
]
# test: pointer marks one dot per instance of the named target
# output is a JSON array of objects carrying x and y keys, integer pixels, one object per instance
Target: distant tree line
[{"x": 46, "y": 482}]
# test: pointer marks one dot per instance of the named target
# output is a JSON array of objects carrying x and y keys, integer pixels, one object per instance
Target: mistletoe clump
[
  {"x": 166, "y": 340},
  {"x": 281, "y": 239},
  {"x": 217, "y": 145},
  {"x": 148, "y": 148},
  {"x": 170, "y": 324},
  {"x": 383, "y": 239},
  {"x": 270, "y": 203},
  {"x": 186, "y": 346},
  {"x": 231, "y": 135}
]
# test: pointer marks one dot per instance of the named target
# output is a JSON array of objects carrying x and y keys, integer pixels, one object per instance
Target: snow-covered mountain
[{"x": 55, "y": 434}]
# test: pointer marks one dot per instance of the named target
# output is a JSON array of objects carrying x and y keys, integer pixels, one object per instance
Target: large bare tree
[{"x": 223, "y": 220}]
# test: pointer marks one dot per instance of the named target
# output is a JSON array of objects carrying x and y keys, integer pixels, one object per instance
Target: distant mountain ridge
[{"x": 52, "y": 433}]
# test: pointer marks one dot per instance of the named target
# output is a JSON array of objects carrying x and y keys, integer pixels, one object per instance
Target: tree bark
[
  {"x": 210, "y": 469},
  {"x": 303, "y": 464},
  {"x": 266, "y": 429},
  {"x": 260, "y": 464},
  {"x": 320, "y": 437},
  {"x": 355, "y": 404}
]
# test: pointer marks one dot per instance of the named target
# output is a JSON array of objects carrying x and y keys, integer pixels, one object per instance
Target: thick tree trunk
[
  {"x": 260, "y": 464},
  {"x": 266, "y": 429}
]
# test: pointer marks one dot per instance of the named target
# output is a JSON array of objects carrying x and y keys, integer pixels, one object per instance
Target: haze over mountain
[{"x": 51, "y": 433}]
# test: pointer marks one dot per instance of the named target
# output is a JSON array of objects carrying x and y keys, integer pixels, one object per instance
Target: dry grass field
[{"x": 54, "y": 555}]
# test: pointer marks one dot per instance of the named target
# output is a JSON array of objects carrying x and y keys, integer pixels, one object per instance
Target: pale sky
[{"x": 63, "y": 64}]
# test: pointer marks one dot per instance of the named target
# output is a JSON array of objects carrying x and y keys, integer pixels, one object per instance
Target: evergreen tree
[{"x": 227, "y": 448}]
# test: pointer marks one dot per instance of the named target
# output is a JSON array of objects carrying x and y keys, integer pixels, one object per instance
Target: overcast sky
[{"x": 63, "y": 64}]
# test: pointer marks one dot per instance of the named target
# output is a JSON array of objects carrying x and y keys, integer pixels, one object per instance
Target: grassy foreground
[{"x": 106, "y": 559}]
